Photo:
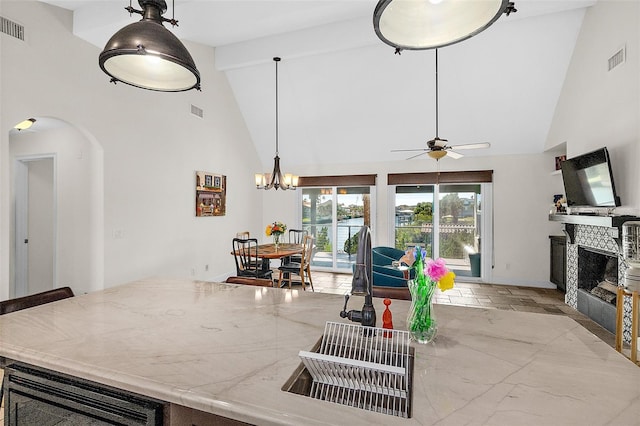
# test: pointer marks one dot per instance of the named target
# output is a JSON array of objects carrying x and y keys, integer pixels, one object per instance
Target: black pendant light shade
[
  {"x": 147, "y": 55},
  {"x": 428, "y": 24}
]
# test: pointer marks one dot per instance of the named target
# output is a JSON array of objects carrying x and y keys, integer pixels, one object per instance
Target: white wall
[
  {"x": 152, "y": 146},
  {"x": 602, "y": 108}
]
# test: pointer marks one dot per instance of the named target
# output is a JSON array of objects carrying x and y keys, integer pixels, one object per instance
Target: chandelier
[{"x": 276, "y": 179}]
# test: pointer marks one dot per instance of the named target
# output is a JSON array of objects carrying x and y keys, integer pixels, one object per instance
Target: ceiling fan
[{"x": 438, "y": 148}]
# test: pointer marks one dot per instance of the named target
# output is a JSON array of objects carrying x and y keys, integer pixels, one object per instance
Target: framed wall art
[{"x": 211, "y": 194}]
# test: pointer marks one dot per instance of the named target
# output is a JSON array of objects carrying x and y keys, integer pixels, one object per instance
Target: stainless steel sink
[{"x": 363, "y": 367}]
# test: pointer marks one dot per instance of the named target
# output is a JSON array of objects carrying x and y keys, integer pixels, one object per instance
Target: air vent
[
  {"x": 197, "y": 111},
  {"x": 618, "y": 58},
  {"x": 12, "y": 28}
]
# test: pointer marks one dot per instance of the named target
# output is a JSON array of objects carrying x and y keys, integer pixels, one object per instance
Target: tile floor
[{"x": 492, "y": 296}]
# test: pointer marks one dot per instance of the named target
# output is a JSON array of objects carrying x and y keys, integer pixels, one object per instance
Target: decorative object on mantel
[
  {"x": 276, "y": 179},
  {"x": 559, "y": 160},
  {"x": 275, "y": 230},
  {"x": 559, "y": 204},
  {"x": 420, "y": 25},
  {"x": 211, "y": 194},
  {"x": 429, "y": 273},
  {"x": 147, "y": 55}
]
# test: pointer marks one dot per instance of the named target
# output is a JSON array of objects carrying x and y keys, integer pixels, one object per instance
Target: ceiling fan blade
[
  {"x": 454, "y": 155},
  {"x": 418, "y": 155},
  {"x": 472, "y": 146},
  {"x": 407, "y": 150}
]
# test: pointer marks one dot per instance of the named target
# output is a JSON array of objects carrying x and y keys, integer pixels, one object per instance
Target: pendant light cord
[
  {"x": 437, "y": 94},
  {"x": 276, "y": 60}
]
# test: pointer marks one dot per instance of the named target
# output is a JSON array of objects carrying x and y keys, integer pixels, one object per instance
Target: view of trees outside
[
  {"x": 457, "y": 225},
  {"x": 352, "y": 211}
]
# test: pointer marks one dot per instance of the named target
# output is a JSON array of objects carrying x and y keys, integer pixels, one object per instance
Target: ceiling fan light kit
[
  {"x": 436, "y": 155},
  {"x": 429, "y": 24},
  {"x": 147, "y": 55}
]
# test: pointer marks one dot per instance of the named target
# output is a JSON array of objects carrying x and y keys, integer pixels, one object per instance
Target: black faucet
[{"x": 362, "y": 283}]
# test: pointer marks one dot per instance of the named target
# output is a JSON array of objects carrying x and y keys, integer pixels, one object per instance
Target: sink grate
[{"x": 363, "y": 367}]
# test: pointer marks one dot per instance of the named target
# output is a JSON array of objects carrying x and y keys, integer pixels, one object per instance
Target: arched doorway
[{"x": 58, "y": 232}]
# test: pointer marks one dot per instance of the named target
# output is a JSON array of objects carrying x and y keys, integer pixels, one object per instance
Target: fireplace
[
  {"x": 597, "y": 279},
  {"x": 597, "y": 240},
  {"x": 598, "y": 273}
]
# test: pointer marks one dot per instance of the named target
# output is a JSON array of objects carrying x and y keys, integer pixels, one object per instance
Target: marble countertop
[{"x": 228, "y": 349}]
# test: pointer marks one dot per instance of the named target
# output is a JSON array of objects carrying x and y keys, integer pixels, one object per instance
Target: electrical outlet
[
  {"x": 507, "y": 266},
  {"x": 193, "y": 272},
  {"x": 206, "y": 268}
]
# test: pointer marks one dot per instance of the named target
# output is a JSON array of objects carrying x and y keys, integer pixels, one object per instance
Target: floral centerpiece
[
  {"x": 275, "y": 229},
  {"x": 429, "y": 274}
]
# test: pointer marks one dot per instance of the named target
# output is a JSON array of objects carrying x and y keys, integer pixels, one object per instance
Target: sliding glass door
[
  {"x": 460, "y": 216},
  {"x": 334, "y": 215},
  {"x": 450, "y": 228},
  {"x": 414, "y": 217}
]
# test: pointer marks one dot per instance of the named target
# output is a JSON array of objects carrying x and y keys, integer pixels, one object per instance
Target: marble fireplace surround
[{"x": 601, "y": 234}]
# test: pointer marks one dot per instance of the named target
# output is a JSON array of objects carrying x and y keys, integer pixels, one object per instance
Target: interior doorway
[
  {"x": 35, "y": 235},
  {"x": 71, "y": 160}
]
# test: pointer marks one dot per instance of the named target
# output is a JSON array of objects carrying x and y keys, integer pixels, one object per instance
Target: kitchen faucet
[{"x": 362, "y": 283}]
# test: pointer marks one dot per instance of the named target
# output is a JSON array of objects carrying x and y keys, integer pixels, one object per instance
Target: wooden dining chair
[
  {"x": 248, "y": 264},
  {"x": 302, "y": 268},
  {"x": 20, "y": 303},
  {"x": 296, "y": 236}
]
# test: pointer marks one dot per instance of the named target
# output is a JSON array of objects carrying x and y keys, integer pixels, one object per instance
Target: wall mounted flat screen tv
[{"x": 588, "y": 180}]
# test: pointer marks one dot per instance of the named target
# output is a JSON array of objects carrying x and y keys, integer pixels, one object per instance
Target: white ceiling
[{"x": 345, "y": 97}]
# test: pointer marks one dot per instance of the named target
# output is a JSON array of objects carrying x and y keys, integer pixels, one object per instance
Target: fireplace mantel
[{"x": 613, "y": 222}]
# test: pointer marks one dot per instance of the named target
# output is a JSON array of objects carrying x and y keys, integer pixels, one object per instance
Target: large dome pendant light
[
  {"x": 276, "y": 179},
  {"x": 147, "y": 55},
  {"x": 428, "y": 24}
]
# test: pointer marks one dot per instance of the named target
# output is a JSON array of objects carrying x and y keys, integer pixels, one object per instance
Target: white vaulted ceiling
[{"x": 346, "y": 97}]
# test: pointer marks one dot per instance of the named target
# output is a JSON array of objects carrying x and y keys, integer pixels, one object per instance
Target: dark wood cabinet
[{"x": 558, "y": 256}]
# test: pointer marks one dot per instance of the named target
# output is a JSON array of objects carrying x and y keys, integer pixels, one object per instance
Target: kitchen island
[{"x": 228, "y": 349}]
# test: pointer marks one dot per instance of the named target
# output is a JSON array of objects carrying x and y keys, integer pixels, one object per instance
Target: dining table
[{"x": 269, "y": 251}]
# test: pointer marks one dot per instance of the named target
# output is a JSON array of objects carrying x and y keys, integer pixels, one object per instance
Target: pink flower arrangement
[{"x": 436, "y": 269}]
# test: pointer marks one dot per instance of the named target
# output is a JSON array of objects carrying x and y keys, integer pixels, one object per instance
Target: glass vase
[
  {"x": 276, "y": 240},
  {"x": 421, "y": 321}
]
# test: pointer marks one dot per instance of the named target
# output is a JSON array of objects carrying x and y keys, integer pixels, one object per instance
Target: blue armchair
[{"x": 384, "y": 275}]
